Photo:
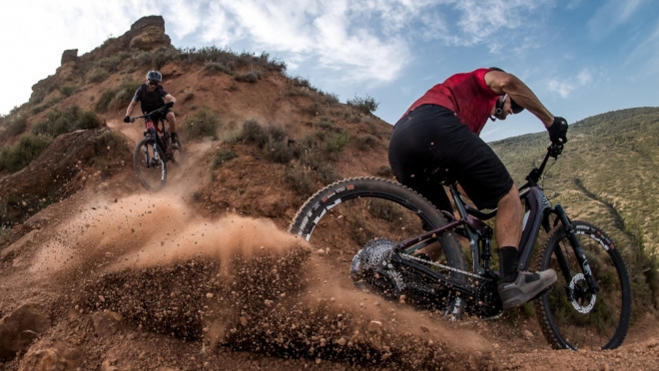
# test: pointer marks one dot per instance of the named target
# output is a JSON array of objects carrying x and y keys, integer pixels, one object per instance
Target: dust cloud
[{"x": 241, "y": 283}]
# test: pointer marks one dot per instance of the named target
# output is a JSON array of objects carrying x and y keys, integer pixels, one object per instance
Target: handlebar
[
  {"x": 159, "y": 110},
  {"x": 554, "y": 150}
]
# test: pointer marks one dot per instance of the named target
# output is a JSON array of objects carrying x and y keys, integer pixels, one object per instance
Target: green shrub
[
  {"x": 279, "y": 151},
  {"x": 14, "y": 124},
  {"x": 300, "y": 180},
  {"x": 203, "y": 123},
  {"x": 229, "y": 58},
  {"x": 315, "y": 161},
  {"x": 314, "y": 109},
  {"x": 222, "y": 157},
  {"x": 337, "y": 141},
  {"x": 111, "y": 63},
  {"x": 97, "y": 75},
  {"x": 60, "y": 122},
  {"x": 366, "y": 141},
  {"x": 18, "y": 156},
  {"x": 215, "y": 68},
  {"x": 272, "y": 140},
  {"x": 118, "y": 96},
  {"x": 252, "y": 76},
  {"x": 253, "y": 133},
  {"x": 365, "y": 105},
  {"x": 68, "y": 90}
]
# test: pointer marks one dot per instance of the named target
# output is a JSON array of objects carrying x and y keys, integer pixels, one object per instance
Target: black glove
[
  {"x": 169, "y": 104},
  {"x": 127, "y": 119},
  {"x": 557, "y": 131}
]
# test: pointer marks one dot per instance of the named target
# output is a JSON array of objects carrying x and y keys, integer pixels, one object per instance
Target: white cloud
[
  {"x": 566, "y": 86},
  {"x": 480, "y": 19},
  {"x": 331, "y": 34}
]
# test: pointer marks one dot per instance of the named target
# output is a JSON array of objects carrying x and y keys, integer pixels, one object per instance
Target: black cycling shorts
[{"x": 430, "y": 147}]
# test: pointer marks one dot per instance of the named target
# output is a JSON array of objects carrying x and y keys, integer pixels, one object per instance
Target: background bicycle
[
  {"x": 589, "y": 305},
  {"x": 154, "y": 151}
]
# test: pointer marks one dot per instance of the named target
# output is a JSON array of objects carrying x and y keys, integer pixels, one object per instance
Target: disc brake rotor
[{"x": 579, "y": 294}]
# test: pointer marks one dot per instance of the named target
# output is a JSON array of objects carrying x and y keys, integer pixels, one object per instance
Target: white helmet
[{"x": 154, "y": 76}]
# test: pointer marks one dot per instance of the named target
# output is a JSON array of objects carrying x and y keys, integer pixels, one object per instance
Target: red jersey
[{"x": 466, "y": 94}]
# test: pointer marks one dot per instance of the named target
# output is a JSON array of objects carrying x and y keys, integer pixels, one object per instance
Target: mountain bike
[
  {"x": 386, "y": 223},
  {"x": 154, "y": 151}
]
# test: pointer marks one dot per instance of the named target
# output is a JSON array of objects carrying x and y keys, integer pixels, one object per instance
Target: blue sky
[{"x": 580, "y": 57}]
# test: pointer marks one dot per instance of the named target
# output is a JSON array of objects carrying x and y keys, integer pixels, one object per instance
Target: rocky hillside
[
  {"x": 98, "y": 274},
  {"x": 303, "y": 138}
]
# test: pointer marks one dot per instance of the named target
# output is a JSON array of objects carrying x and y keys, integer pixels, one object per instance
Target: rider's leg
[
  {"x": 171, "y": 120},
  {"x": 515, "y": 287},
  {"x": 508, "y": 225}
]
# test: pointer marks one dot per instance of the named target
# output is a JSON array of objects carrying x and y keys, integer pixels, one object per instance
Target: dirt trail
[{"x": 237, "y": 293}]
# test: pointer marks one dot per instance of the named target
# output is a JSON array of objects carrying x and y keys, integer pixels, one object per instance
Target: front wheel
[
  {"x": 367, "y": 217},
  {"x": 149, "y": 165},
  {"x": 571, "y": 314}
]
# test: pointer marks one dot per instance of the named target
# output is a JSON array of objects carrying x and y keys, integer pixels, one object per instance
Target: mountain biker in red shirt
[
  {"x": 437, "y": 141},
  {"x": 152, "y": 96}
]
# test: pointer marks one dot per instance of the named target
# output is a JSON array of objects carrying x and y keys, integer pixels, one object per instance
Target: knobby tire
[
  {"x": 151, "y": 173},
  {"x": 584, "y": 322},
  {"x": 370, "y": 212}
]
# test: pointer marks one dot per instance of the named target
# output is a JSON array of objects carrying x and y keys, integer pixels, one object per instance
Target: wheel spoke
[{"x": 588, "y": 319}]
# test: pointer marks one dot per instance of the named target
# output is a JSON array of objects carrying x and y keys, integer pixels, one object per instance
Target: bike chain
[{"x": 474, "y": 275}]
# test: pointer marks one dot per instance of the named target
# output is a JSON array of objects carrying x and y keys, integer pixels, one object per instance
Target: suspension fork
[{"x": 578, "y": 251}]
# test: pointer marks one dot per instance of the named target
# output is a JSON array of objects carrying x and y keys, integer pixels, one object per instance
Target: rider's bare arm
[
  {"x": 169, "y": 98},
  {"x": 505, "y": 83},
  {"x": 131, "y": 106}
]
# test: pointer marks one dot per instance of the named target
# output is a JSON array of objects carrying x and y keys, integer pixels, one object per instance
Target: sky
[{"x": 580, "y": 57}]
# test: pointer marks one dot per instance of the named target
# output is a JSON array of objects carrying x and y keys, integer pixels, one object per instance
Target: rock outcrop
[{"x": 147, "y": 34}]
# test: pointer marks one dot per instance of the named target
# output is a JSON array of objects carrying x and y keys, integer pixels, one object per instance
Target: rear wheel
[
  {"x": 367, "y": 217},
  {"x": 149, "y": 165},
  {"x": 573, "y": 316}
]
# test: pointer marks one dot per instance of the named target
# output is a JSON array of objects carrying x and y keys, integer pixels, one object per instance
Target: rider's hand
[
  {"x": 169, "y": 104},
  {"x": 558, "y": 130},
  {"x": 127, "y": 119}
]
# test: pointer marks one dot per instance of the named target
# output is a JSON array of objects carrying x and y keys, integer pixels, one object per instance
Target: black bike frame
[
  {"x": 470, "y": 223},
  {"x": 153, "y": 131}
]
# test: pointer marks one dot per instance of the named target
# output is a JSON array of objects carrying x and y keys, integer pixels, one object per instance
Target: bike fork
[{"x": 578, "y": 252}]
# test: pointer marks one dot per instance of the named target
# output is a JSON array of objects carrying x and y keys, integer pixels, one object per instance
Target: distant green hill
[{"x": 607, "y": 175}]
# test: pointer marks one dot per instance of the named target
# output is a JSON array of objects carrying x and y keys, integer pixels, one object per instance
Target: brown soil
[
  {"x": 204, "y": 276},
  {"x": 230, "y": 292}
]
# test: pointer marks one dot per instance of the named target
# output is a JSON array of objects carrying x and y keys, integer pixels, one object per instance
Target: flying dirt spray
[{"x": 241, "y": 283}]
